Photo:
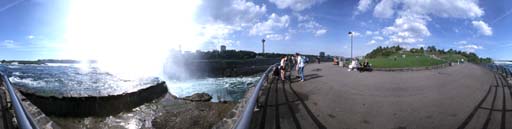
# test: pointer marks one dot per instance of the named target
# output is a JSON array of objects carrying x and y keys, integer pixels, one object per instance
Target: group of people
[
  {"x": 297, "y": 62},
  {"x": 362, "y": 67},
  {"x": 288, "y": 62}
]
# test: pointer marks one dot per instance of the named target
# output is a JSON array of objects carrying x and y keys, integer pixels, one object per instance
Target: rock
[
  {"x": 195, "y": 115},
  {"x": 202, "y": 97}
]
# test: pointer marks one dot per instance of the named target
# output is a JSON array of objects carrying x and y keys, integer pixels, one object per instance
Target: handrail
[
  {"x": 245, "y": 119},
  {"x": 507, "y": 73},
  {"x": 22, "y": 117}
]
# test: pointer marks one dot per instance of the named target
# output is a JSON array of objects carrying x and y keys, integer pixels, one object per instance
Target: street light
[
  {"x": 263, "y": 48},
  {"x": 351, "y": 40}
]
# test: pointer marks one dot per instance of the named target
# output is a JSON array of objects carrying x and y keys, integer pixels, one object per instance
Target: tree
[
  {"x": 431, "y": 49},
  {"x": 451, "y": 51}
]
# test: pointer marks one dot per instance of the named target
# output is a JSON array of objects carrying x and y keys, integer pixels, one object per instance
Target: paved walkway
[{"x": 462, "y": 96}]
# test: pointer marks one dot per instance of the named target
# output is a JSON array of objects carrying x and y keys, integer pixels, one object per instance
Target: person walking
[{"x": 300, "y": 66}]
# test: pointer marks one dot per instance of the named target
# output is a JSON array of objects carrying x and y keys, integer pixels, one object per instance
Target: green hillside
[{"x": 398, "y": 57}]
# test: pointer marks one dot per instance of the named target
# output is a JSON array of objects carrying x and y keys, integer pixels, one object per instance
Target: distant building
[
  {"x": 222, "y": 48},
  {"x": 322, "y": 54}
]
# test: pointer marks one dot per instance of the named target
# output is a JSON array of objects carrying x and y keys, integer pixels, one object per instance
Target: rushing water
[
  {"x": 74, "y": 80},
  {"x": 70, "y": 80},
  {"x": 227, "y": 89}
]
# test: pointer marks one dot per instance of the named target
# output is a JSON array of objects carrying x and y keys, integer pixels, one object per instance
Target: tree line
[{"x": 430, "y": 50}]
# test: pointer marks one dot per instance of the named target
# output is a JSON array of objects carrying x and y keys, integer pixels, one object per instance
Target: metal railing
[
  {"x": 245, "y": 119},
  {"x": 507, "y": 73},
  {"x": 23, "y": 118}
]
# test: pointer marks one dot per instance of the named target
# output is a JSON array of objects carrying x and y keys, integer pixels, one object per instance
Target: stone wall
[{"x": 96, "y": 106}]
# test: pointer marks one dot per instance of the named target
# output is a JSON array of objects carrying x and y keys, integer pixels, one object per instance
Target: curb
[{"x": 412, "y": 68}]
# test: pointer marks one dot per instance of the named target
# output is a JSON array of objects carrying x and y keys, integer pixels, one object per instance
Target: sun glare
[{"x": 130, "y": 37}]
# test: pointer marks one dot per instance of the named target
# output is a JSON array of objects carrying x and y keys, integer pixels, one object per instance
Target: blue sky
[{"x": 33, "y": 29}]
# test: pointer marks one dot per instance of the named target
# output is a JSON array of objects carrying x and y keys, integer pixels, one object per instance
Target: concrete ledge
[
  {"x": 96, "y": 106},
  {"x": 412, "y": 68}
]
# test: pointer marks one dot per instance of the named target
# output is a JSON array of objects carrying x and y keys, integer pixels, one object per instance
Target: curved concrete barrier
[
  {"x": 96, "y": 105},
  {"x": 412, "y": 68}
]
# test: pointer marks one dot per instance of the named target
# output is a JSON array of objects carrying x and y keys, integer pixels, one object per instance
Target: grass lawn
[
  {"x": 408, "y": 61},
  {"x": 453, "y": 57}
]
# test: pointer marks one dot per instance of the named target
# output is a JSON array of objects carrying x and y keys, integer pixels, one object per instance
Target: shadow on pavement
[{"x": 306, "y": 77}]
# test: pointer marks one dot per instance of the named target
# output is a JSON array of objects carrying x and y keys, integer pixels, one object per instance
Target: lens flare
[{"x": 131, "y": 38}]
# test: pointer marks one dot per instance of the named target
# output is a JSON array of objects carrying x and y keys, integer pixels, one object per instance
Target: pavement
[{"x": 462, "y": 96}]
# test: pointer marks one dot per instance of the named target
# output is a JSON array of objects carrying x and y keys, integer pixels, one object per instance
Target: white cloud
[
  {"x": 278, "y": 36},
  {"x": 384, "y": 9},
  {"x": 378, "y": 38},
  {"x": 220, "y": 19},
  {"x": 412, "y": 17},
  {"x": 320, "y": 32},
  {"x": 369, "y": 33},
  {"x": 310, "y": 25},
  {"x": 363, "y": 5},
  {"x": 230, "y": 12},
  {"x": 443, "y": 8},
  {"x": 296, "y": 5},
  {"x": 470, "y": 47},
  {"x": 301, "y": 18},
  {"x": 375, "y": 39},
  {"x": 30, "y": 37},
  {"x": 461, "y": 42},
  {"x": 372, "y": 42},
  {"x": 274, "y": 22},
  {"x": 372, "y": 32},
  {"x": 218, "y": 34},
  {"x": 466, "y": 46},
  {"x": 408, "y": 29},
  {"x": 482, "y": 27},
  {"x": 8, "y": 44},
  {"x": 217, "y": 30}
]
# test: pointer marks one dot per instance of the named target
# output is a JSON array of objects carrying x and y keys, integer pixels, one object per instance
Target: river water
[
  {"x": 73, "y": 80},
  {"x": 507, "y": 64}
]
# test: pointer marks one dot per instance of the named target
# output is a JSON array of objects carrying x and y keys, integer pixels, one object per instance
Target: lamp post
[
  {"x": 351, "y": 40},
  {"x": 263, "y": 44}
]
